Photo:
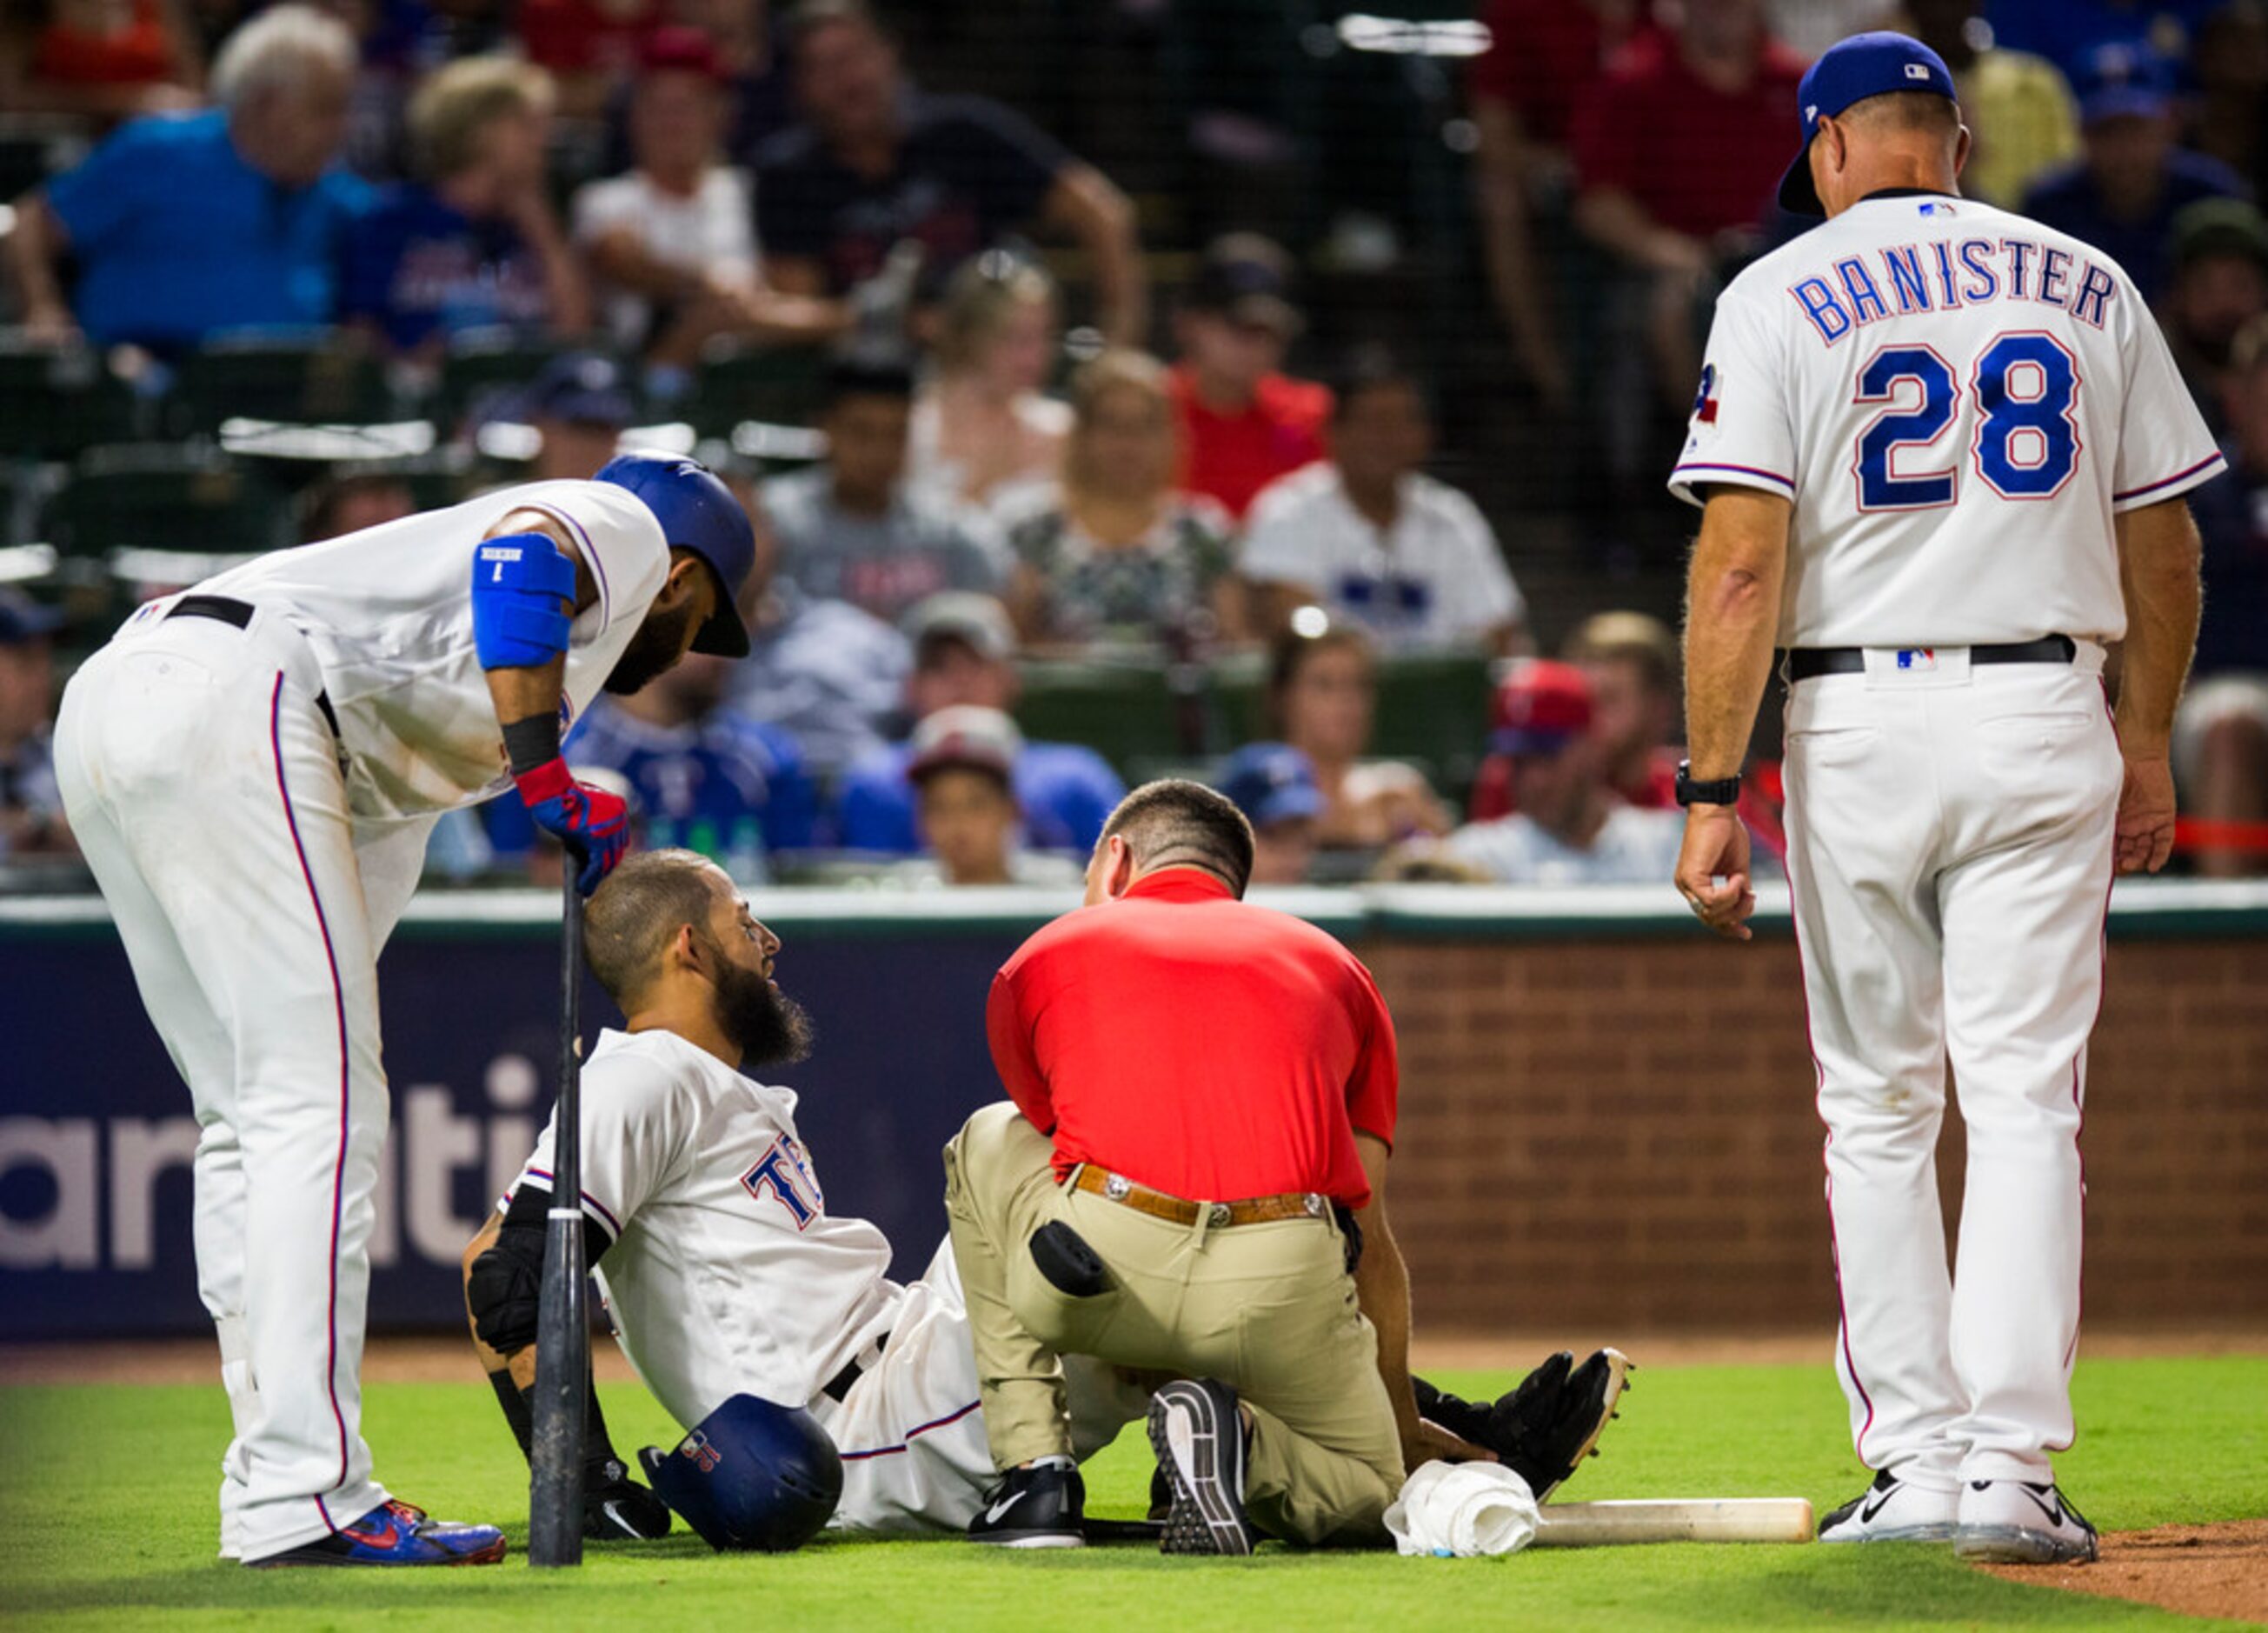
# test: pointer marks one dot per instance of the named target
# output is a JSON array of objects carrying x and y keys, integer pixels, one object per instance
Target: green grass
[{"x": 106, "y": 1498}]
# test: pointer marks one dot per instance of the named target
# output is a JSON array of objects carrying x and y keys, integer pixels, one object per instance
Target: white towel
[{"x": 1461, "y": 1510}]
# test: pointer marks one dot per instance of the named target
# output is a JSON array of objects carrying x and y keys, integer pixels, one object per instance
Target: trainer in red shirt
[
  {"x": 1190, "y": 1179},
  {"x": 1197, "y": 1044},
  {"x": 1242, "y": 423}
]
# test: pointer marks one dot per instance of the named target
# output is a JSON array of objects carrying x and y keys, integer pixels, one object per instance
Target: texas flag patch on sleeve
[{"x": 1705, "y": 401}]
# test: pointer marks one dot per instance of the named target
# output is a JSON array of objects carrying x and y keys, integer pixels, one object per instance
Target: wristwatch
[{"x": 1723, "y": 791}]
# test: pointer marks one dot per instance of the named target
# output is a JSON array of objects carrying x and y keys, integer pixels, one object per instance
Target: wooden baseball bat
[
  {"x": 1680, "y": 1519},
  {"x": 563, "y": 1339}
]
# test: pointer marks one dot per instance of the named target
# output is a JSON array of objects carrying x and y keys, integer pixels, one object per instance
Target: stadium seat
[
  {"x": 773, "y": 385},
  {"x": 1126, "y": 712},
  {"x": 162, "y": 497},
  {"x": 1435, "y": 709},
  {"x": 297, "y": 380},
  {"x": 55, "y": 404}
]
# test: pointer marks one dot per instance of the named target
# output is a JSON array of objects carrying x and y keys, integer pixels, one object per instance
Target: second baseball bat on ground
[{"x": 1683, "y": 1519}]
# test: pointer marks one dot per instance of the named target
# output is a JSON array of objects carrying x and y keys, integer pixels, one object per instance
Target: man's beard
[
  {"x": 651, "y": 653},
  {"x": 770, "y": 1027}
]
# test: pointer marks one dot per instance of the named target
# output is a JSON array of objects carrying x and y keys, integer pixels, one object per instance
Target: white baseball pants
[
  {"x": 204, "y": 787},
  {"x": 1949, "y": 848}
]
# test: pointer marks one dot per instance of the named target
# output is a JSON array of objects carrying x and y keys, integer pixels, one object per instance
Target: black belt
[
  {"x": 1810, "y": 662},
  {"x": 839, "y": 1385},
  {"x": 228, "y": 609}
]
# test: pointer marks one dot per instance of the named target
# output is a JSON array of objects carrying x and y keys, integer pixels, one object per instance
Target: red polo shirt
[
  {"x": 1197, "y": 1044},
  {"x": 1231, "y": 457}
]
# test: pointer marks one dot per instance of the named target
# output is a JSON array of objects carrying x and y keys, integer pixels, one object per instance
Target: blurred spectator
[
  {"x": 828, "y": 674},
  {"x": 2230, "y": 121},
  {"x": 963, "y": 650},
  {"x": 349, "y": 504},
  {"x": 579, "y": 404},
  {"x": 31, "y": 810},
  {"x": 1677, "y": 151},
  {"x": 1570, "y": 827},
  {"x": 1323, "y": 696},
  {"x": 879, "y": 161},
  {"x": 965, "y": 800},
  {"x": 2220, "y": 735},
  {"x": 2069, "y": 33},
  {"x": 673, "y": 242},
  {"x": 758, "y": 85},
  {"x": 1274, "y": 785},
  {"x": 104, "y": 60},
  {"x": 2021, "y": 120},
  {"x": 852, "y": 528},
  {"x": 2220, "y": 283},
  {"x": 588, "y": 47},
  {"x": 182, "y": 227},
  {"x": 1374, "y": 540},
  {"x": 473, "y": 243},
  {"x": 1243, "y": 424},
  {"x": 1809, "y": 26},
  {"x": 981, "y": 422},
  {"x": 1632, "y": 663},
  {"x": 704, "y": 777},
  {"x": 1115, "y": 556},
  {"x": 2122, "y": 196},
  {"x": 1544, "y": 56}
]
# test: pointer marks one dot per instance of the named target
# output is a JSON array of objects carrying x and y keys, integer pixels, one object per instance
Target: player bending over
[{"x": 754, "y": 1315}]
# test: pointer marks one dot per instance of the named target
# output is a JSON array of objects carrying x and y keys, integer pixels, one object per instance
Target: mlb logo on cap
[{"x": 1864, "y": 65}]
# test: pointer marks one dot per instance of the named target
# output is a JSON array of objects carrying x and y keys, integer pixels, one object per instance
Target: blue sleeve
[
  {"x": 1069, "y": 794},
  {"x": 791, "y": 816},
  {"x": 114, "y": 184},
  {"x": 876, "y": 809},
  {"x": 511, "y": 829},
  {"x": 374, "y": 242}
]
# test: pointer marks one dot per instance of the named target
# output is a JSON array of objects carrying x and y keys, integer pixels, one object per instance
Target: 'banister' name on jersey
[{"x": 1948, "y": 275}]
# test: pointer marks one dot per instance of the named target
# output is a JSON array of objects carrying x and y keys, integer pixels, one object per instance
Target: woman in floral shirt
[{"x": 1112, "y": 557}]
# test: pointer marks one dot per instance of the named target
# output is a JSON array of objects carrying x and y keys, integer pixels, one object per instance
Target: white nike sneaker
[
  {"x": 1893, "y": 1511},
  {"x": 2014, "y": 1522}
]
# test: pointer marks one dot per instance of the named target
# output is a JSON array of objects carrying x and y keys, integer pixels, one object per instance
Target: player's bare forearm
[
  {"x": 1731, "y": 614},
  {"x": 2158, "y": 575}
]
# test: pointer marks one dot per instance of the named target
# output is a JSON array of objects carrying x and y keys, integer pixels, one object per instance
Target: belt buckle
[
  {"x": 1313, "y": 1204},
  {"x": 1221, "y": 1215},
  {"x": 1117, "y": 1186}
]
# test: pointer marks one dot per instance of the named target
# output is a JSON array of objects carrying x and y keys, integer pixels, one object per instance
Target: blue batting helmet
[
  {"x": 698, "y": 512},
  {"x": 751, "y": 1476}
]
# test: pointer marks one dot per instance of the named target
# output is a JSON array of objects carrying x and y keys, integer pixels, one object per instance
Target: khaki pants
[{"x": 1268, "y": 1308}]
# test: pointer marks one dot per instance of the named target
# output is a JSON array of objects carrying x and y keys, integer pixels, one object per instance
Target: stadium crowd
[{"x": 1236, "y": 387}]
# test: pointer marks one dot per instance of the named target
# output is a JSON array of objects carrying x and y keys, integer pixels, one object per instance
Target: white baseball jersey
[
  {"x": 388, "y": 613},
  {"x": 1958, "y": 400},
  {"x": 728, "y": 1273}
]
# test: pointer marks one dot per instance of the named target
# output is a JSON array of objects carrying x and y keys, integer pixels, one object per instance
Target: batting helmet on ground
[
  {"x": 751, "y": 1476},
  {"x": 698, "y": 512}
]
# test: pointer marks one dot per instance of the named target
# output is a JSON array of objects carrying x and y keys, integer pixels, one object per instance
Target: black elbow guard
[{"x": 504, "y": 1291}]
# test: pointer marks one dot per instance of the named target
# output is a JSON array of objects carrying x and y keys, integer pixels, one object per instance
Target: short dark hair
[
  {"x": 812, "y": 15},
  {"x": 638, "y": 912},
  {"x": 1289, "y": 652},
  {"x": 1371, "y": 368},
  {"x": 867, "y": 377},
  {"x": 1175, "y": 822},
  {"x": 1906, "y": 110}
]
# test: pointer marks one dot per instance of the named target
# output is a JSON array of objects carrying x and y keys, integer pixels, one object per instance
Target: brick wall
[{"x": 1619, "y": 1135}]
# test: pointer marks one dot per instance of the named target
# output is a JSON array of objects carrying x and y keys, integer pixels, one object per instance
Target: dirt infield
[{"x": 2200, "y": 1571}]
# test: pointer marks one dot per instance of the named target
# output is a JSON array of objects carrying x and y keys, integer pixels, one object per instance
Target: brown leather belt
[{"x": 1253, "y": 1210}]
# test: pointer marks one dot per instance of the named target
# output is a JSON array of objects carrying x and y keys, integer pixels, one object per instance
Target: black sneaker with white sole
[
  {"x": 1044, "y": 1507},
  {"x": 1198, "y": 1436},
  {"x": 2017, "y": 1522}
]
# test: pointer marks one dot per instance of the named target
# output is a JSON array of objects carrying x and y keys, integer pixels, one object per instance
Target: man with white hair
[{"x": 183, "y": 225}]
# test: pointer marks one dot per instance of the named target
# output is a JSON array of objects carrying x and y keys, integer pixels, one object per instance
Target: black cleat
[
  {"x": 1198, "y": 1436},
  {"x": 1545, "y": 1428},
  {"x": 1039, "y": 1507},
  {"x": 617, "y": 1508}
]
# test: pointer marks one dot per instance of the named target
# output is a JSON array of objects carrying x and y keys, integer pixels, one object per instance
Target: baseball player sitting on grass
[{"x": 765, "y": 1325}]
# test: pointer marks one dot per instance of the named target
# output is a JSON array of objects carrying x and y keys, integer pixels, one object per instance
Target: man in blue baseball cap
[
  {"x": 2132, "y": 176},
  {"x": 1274, "y": 785},
  {"x": 1861, "y": 67}
]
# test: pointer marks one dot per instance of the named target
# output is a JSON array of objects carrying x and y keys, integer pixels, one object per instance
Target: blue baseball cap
[
  {"x": 1271, "y": 782},
  {"x": 2122, "y": 79},
  {"x": 698, "y": 512},
  {"x": 1864, "y": 65}
]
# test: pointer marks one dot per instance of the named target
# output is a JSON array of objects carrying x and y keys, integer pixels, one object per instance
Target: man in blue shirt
[
  {"x": 184, "y": 226},
  {"x": 961, "y": 656},
  {"x": 2123, "y": 194}
]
